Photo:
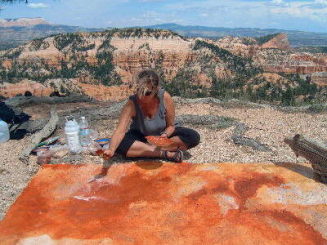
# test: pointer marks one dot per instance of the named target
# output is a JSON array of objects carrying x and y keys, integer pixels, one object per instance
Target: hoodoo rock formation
[{"x": 112, "y": 58}]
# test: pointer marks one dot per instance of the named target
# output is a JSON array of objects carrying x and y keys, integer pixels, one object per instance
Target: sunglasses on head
[{"x": 148, "y": 93}]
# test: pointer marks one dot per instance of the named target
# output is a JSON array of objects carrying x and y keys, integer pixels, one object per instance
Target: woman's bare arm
[
  {"x": 170, "y": 114},
  {"x": 119, "y": 133}
]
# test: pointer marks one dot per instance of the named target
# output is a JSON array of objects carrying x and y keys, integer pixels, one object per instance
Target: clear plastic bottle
[
  {"x": 84, "y": 133},
  {"x": 72, "y": 135},
  {"x": 4, "y": 131}
]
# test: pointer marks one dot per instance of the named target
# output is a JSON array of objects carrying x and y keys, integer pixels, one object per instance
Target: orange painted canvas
[
  {"x": 165, "y": 203},
  {"x": 159, "y": 141}
]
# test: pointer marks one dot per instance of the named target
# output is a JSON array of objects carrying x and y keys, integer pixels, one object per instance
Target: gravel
[{"x": 263, "y": 123}]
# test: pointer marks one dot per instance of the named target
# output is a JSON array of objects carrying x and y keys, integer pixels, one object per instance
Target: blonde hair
[{"x": 144, "y": 78}]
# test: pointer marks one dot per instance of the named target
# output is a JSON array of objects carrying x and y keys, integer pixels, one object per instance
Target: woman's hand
[
  {"x": 164, "y": 135},
  {"x": 107, "y": 154}
]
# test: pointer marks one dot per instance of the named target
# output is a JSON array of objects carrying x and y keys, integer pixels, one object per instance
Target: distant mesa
[{"x": 23, "y": 22}]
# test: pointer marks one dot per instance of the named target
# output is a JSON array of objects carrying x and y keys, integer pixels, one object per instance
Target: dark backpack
[{"x": 8, "y": 115}]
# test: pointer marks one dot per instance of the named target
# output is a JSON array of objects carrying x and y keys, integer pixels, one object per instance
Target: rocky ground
[{"x": 258, "y": 130}]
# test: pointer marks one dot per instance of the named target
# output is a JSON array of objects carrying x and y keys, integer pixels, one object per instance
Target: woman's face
[{"x": 149, "y": 93}]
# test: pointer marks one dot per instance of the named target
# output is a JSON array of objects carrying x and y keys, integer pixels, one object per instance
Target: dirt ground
[{"x": 265, "y": 124}]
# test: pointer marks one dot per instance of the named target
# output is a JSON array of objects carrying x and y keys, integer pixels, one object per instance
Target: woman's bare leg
[
  {"x": 177, "y": 145},
  {"x": 140, "y": 149}
]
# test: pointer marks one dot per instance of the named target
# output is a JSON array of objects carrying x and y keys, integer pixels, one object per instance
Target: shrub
[
  {"x": 63, "y": 40},
  {"x": 243, "y": 67},
  {"x": 317, "y": 108},
  {"x": 36, "y": 44},
  {"x": 85, "y": 48},
  {"x": 264, "y": 39},
  {"x": 13, "y": 54}
]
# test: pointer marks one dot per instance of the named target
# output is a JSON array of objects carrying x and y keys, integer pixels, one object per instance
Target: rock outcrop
[
  {"x": 280, "y": 41},
  {"x": 276, "y": 60},
  {"x": 64, "y": 86},
  {"x": 35, "y": 88},
  {"x": 105, "y": 93},
  {"x": 319, "y": 78},
  {"x": 239, "y": 46}
]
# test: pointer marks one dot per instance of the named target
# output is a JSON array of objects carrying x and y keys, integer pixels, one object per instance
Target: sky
[{"x": 305, "y": 15}]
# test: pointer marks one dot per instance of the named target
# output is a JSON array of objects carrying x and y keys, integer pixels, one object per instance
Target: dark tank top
[{"x": 149, "y": 126}]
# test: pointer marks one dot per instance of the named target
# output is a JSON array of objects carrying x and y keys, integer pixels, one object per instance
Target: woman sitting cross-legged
[{"x": 151, "y": 112}]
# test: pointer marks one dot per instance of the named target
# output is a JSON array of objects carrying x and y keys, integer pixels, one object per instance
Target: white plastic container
[
  {"x": 72, "y": 136},
  {"x": 84, "y": 132},
  {"x": 4, "y": 131}
]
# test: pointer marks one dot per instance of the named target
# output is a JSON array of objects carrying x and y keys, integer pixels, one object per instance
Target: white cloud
[
  {"x": 37, "y": 5},
  {"x": 312, "y": 11},
  {"x": 324, "y": 2},
  {"x": 150, "y": 14},
  {"x": 277, "y": 1},
  {"x": 315, "y": 10}
]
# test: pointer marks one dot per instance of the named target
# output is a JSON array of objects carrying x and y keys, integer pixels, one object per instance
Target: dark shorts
[{"x": 190, "y": 137}]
